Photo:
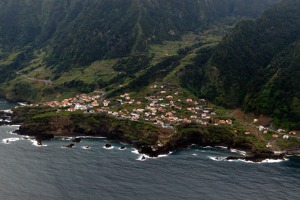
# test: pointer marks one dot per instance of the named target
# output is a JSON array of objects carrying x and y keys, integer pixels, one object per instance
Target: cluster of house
[
  {"x": 163, "y": 108},
  {"x": 280, "y": 131}
]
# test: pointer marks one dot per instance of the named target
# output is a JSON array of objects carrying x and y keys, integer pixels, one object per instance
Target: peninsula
[{"x": 157, "y": 124}]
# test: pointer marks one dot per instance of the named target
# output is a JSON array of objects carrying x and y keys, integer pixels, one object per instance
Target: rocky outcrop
[
  {"x": 258, "y": 157},
  {"x": 5, "y": 117},
  {"x": 149, "y": 139}
]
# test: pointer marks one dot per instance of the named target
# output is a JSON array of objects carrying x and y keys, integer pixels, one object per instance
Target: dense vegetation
[
  {"x": 257, "y": 66},
  {"x": 254, "y": 67},
  {"x": 44, "y": 123},
  {"x": 75, "y": 33}
]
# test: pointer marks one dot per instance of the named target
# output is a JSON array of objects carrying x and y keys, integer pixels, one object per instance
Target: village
[{"x": 164, "y": 107}]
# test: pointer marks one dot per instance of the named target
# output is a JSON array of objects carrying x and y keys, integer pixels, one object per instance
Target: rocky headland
[{"x": 45, "y": 123}]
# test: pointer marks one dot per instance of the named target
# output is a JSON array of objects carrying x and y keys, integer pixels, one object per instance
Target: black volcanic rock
[
  {"x": 145, "y": 139},
  {"x": 39, "y": 142},
  {"x": 257, "y": 157},
  {"x": 76, "y": 140},
  {"x": 70, "y": 145}
]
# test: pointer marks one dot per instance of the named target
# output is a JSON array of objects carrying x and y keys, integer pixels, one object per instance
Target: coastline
[{"x": 148, "y": 139}]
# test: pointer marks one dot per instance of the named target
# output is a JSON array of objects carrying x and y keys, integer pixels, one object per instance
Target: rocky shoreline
[
  {"x": 5, "y": 117},
  {"x": 148, "y": 139}
]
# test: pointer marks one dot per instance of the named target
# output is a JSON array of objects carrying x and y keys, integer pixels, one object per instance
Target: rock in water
[
  {"x": 107, "y": 145},
  {"x": 76, "y": 140},
  {"x": 122, "y": 147},
  {"x": 39, "y": 142},
  {"x": 70, "y": 145}
]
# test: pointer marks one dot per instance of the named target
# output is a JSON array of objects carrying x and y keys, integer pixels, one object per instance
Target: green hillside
[
  {"x": 256, "y": 66},
  {"x": 54, "y": 49}
]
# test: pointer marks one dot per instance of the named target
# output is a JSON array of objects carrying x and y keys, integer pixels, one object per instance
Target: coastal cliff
[{"x": 46, "y": 123}]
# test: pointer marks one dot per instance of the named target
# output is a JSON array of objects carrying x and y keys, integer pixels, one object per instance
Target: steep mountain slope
[
  {"x": 78, "y": 32},
  {"x": 257, "y": 65},
  {"x": 53, "y": 49}
]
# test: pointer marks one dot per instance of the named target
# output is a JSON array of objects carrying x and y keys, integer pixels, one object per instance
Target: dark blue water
[{"x": 53, "y": 172}]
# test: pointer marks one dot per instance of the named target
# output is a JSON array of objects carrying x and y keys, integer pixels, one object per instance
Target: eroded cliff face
[{"x": 46, "y": 123}]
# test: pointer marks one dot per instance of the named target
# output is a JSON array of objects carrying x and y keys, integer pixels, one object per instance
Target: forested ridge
[
  {"x": 80, "y": 45},
  {"x": 256, "y": 66}
]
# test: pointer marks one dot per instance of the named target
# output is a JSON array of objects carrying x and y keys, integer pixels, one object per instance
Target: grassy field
[{"x": 8, "y": 59}]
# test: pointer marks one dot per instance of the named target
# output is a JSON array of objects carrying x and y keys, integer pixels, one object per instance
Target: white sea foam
[
  {"x": 194, "y": 154},
  {"x": 217, "y": 158},
  {"x": 274, "y": 161},
  {"x": 86, "y": 147},
  {"x": 7, "y": 111},
  {"x": 164, "y": 155},
  {"x": 140, "y": 158},
  {"x": 222, "y": 147},
  {"x": 35, "y": 143},
  {"x": 104, "y": 147},
  {"x": 65, "y": 138},
  {"x": 264, "y": 161},
  {"x": 247, "y": 161},
  {"x": 238, "y": 151},
  {"x": 242, "y": 160},
  {"x": 9, "y": 140},
  {"x": 135, "y": 151},
  {"x": 11, "y": 132},
  {"x": 15, "y": 125}
]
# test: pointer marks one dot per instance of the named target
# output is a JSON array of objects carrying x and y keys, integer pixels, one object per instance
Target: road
[{"x": 46, "y": 81}]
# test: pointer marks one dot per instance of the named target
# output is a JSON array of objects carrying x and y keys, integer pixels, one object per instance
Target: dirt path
[{"x": 48, "y": 82}]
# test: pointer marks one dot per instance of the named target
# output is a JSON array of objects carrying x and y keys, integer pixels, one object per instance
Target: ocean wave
[
  {"x": 9, "y": 140},
  {"x": 86, "y": 147},
  {"x": 274, "y": 161},
  {"x": 26, "y": 137},
  {"x": 12, "y": 133},
  {"x": 238, "y": 151},
  {"x": 142, "y": 157},
  {"x": 35, "y": 143},
  {"x": 221, "y": 147},
  {"x": 247, "y": 161},
  {"x": 65, "y": 138},
  {"x": 217, "y": 158},
  {"x": 15, "y": 125},
  {"x": 135, "y": 151},
  {"x": 104, "y": 147},
  {"x": 164, "y": 155}
]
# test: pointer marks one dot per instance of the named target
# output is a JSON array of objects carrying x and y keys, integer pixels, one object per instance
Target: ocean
[{"x": 52, "y": 172}]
